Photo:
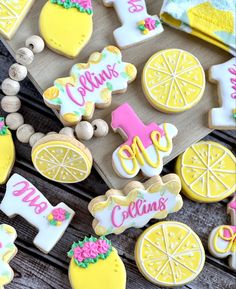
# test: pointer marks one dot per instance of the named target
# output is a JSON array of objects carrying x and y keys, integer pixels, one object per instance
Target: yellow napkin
[{"x": 211, "y": 20}]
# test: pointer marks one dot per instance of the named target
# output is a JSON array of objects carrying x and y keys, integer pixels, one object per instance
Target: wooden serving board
[{"x": 192, "y": 125}]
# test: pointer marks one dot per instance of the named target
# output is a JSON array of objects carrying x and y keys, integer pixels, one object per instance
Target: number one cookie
[
  {"x": 224, "y": 75},
  {"x": 145, "y": 145},
  {"x": 22, "y": 198},
  {"x": 137, "y": 24}
]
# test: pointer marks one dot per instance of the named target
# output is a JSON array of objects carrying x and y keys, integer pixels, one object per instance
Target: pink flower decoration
[
  {"x": 59, "y": 214},
  {"x": 103, "y": 247},
  {"x": 78, "y": 254},
  {"x": 1, "y": 124},
  {"x": 90, "y": 250},
  {"x": 150, "y": 24}
]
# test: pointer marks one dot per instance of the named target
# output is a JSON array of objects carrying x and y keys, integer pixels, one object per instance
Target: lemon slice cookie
[
  {"x": 173, "y": 80},
  {"x": 207, "y": 172},
  {"x": 62, "y": 159},
  {"x": 169, "y": 254}
]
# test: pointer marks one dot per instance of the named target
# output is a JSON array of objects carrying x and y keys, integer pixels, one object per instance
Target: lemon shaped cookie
[
  {"x": 7, "y": 152},
  {"x": 169, "y": 254},
  {"x": 66, "y": 26},
  {"x": 62, "y": 159},
  {"x": 173, "y": 80},
  {"x": 95, "y": 264},
  {"x": 207, "y": 172}
]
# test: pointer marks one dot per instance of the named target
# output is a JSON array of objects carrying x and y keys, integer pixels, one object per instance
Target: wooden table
[{"x": 34, "y": 270}]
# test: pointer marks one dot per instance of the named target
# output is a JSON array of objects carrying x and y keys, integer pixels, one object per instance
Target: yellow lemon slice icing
[
  {"x": 63, "y": 159},
  {"x": 173, "y": 80},
  {"x": 169, "y": 254},
  {"x": 207, "y": 172}
]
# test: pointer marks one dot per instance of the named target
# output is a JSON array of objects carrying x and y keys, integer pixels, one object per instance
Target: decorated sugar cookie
[
  {"x": 136, "y": 204},
  {"x": 24, "y": 199},
  {"x": 231, "y": 210},
  {"x": 62, "y": 159},
  {"x": 173, "y": 80},
  {"x": 7, "y": 152},
  {"x": 90, "y": 85},
  {"x": 224, "y": 117},
  {"x": 207, "y": 172},
  {"x": 169, "y": 254},
  {"x": 222, "y": 243},
  {"x": 66, "y": 26},
  {"x": 222, "y": 240},
  {"x": 12, "y": 13},
  {"x": 137, "y": 25},
  {"x": 7, "y": 252},
  {"x": 145, "y": 145},
  {"x": 96, "y": 264}
]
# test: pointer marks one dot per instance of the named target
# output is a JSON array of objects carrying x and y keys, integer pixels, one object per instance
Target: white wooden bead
[
  {"x": 10, "y": 86},
  {"x": 14, "y": 120},
  {"x": 84, "y": 130},
  {"x": 51, "y": 132},
  {"x": 35, "y": 43},
  {"x": 67, "y": 131},
  {"x": 35, "y": 137},
  {"x": 10, "y": 103},
  {"x": 24, "y": 133},
  {"x": 100, "y": 127},
  {"x": 24, "y": 56},
  {"x": 17, "y": 72}
]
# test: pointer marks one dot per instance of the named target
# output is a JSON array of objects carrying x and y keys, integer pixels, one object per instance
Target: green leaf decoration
[
  {"x": 109, "y": 86},
  {"x": 124, "y": 75}
]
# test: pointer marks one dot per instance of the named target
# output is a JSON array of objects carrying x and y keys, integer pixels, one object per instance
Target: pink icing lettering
[
  {"x": 135, "y": 6},
  {"x": 136, "y": 209},
  {"x": 126, "y": 119},
  {"x": 28, "y": 198},
  {"x": 232, "y": 70},
  {"x": 90, "y": 82}
]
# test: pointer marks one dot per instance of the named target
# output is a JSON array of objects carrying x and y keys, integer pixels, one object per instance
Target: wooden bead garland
[{"x": 11, "y": 103}]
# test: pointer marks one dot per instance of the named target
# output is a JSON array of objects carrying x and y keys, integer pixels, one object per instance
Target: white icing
[
  {"x": 11, "y": 205},
  {"x": 104, "y": 217},
  {"x": 129, "y": 34},
  {"x": 7, "y": 240},
  {"x": 146, "y": 169},
  {"x": 221, "y": 244},
  {"x": 222, "y": 117}
]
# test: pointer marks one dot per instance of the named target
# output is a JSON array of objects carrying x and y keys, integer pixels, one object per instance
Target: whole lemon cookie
[
  {"x": 169, "y": 254},
  {"x": 207, "y": 172},
  {"x": 62, "y": 159},
  {"x": 95, "y": 264},
  {"x": 173, "y": 80}
]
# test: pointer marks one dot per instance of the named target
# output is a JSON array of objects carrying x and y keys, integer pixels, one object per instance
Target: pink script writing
[
  {"x": 134, "y": 6},
  {"x": 233, "y": 80},
  {"x": 29, "y": 197},
  {"x": 137, "y": 209},
  {"x": 90, "y": 81}
]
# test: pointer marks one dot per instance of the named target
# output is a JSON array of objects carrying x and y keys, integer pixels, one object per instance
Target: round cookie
[
  {"x": 169, "y": 254},
  {"x": 66, "y": 26},
  {"x": 96, "y": 264},
  {"x": 207, "y": 172},
  {"x": 7, "y": 152},
  {"x": 173, "y": 80},
  {"x": 62, "y": 159}
]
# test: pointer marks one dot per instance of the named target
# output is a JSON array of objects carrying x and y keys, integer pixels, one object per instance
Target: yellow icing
[
  {"x": 65, "y": 31},
  {"x": 7, "y": 156},
  {"x": 12, "y": 13},
  {"x": 173, "y": 80},
  {"x": 109, "y": 273},
  {"x": 231, "y": 246},
  {"x": 61, "y": 161},
  {"x": 169, "y": 254},
  {"x": 138, "y": 154},
  {"x": 207, "y": 172}
]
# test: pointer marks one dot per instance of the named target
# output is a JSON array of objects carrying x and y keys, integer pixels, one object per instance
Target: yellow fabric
[{"x": 210, "y": 20}]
